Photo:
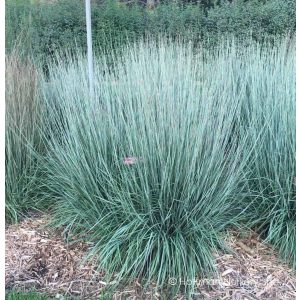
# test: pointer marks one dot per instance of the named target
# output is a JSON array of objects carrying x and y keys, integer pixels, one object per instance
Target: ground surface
[{"x": 41, "y": 259}]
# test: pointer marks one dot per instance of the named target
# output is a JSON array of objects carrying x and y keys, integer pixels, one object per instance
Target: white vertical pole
[{"x": 89, "y": 45}]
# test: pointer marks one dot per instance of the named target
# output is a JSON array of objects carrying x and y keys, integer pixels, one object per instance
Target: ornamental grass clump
[
  {"x": 22, "y": 138},
  {"x": 154, "y": 166},
  {"x": 149, "y": 167},
  {"x": 270, "y": 119}
]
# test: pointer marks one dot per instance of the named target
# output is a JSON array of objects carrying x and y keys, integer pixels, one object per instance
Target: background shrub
[
  {"x": 61, "y": 25},
  {"x": 261, "y": 19}
]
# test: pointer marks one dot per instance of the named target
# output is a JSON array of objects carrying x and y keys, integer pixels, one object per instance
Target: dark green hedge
[{"x": 46, "y": 28}]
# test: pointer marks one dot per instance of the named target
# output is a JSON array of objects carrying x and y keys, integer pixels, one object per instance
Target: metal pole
[{"x": 89, "y": 45}]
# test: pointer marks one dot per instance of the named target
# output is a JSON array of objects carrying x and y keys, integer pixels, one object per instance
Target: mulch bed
[{"x": 41, "y": 259}]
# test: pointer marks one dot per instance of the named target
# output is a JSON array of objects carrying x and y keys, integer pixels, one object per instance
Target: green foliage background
[{"x": 46, "y": 28}]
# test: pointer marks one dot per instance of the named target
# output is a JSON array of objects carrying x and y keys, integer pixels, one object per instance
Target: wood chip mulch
[
  {"x": 41, "y": 259},
  {"x": 252, "y": 272}
]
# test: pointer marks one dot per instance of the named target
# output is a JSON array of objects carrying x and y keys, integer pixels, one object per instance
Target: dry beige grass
[
  {"x": 21, "y": 91},
  {"x": 22, "y": 138}
]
